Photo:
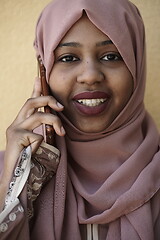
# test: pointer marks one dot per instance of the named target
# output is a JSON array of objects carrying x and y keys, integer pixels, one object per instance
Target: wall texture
[{"x": 18, "y": 66}]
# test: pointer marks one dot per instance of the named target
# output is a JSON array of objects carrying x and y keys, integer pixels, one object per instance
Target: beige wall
[{"x": 18, "y": 64}]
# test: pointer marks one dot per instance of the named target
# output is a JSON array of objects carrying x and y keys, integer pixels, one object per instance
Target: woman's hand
[
  {"x": 20, "y": 133},
  {"x": 30, "y": 118}
]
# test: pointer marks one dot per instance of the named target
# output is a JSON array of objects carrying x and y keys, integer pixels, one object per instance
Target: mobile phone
[{"x": 49, "y": 131}]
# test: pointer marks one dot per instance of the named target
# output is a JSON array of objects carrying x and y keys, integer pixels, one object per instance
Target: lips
[
  {"x": 91, "y": 103},
  {"x": 91, "y": 95}
]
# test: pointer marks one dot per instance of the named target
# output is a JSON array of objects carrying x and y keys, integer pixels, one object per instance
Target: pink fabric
[{"x": 109, "y": 177}]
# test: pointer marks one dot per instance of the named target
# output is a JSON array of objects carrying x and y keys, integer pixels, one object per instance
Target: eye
[
  {"x": 68, "y": 58},
  {"x": 112, "y": 57}
]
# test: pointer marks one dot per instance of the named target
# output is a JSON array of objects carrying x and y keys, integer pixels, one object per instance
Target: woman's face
[{"x": 90, "y": 78}]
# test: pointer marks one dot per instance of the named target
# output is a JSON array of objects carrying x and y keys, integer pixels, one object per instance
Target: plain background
[{"x": 18, "y": 66}]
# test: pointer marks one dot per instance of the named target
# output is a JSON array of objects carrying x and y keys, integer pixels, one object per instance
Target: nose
[{"x": 90, "y": 73}]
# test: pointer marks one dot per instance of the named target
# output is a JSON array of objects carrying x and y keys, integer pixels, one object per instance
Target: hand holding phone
[{"x": 45, "y": 92}]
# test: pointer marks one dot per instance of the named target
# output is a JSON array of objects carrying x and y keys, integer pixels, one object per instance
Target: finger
[
  {"x": 34, "y": 103},
  {"x": 40, "y": 118},
  {"x": 37, "y": 89},
  {"x": 36, "y": 93},
  {"x": 25, "y": 138}
]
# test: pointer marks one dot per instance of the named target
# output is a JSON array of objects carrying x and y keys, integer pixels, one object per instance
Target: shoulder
[{"x": 155, "y": 208}]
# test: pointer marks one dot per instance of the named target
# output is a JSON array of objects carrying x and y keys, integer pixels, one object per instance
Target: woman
[{"x": 102, "y": 180}]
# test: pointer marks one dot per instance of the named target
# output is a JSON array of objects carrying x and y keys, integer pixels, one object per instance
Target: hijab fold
[{"x": 108, "y": 177}]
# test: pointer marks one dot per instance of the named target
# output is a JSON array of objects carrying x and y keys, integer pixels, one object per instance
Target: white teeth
[{"x": 92, "y": 102}]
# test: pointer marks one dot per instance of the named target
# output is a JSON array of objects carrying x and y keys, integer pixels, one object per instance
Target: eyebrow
[
  {"x": 76, "y": 44},
  {"x": 103, "y": 43},
  {"x": 69, "y": 44}
]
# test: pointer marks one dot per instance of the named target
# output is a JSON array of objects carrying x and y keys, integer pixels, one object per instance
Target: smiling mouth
[{"x": 91, "y": 102}]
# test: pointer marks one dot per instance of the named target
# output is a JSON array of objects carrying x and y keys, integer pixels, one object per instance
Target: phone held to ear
[{"x": 45, "y": 92}]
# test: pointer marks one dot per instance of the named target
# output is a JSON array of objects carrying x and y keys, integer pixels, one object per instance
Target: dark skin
[
  {"x": 90, "y": 64},
  {"x": 87, "y": 65},
  {"x": 21, "y": 130}
]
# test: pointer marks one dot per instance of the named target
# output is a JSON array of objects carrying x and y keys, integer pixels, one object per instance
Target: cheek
[
  {"x": 56, "y": 80},
  {"x": 126, "y": 87},
  {"x": 122, "y": 84},
  {"x": 59, "y": 87}
]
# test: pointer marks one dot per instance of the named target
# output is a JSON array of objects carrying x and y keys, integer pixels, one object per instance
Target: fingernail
[
  {"x": 59, "y": 105},
  {"x": 62, "y": 130}
]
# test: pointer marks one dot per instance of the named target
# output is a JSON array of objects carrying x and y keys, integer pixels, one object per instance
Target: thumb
[{"x": 35, "y": 141}]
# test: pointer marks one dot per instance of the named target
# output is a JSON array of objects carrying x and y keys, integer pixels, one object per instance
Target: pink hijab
[{"x": 108, "y": 178}]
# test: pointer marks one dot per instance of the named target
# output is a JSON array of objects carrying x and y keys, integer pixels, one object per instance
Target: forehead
[{"x": 85, "y": 31}]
